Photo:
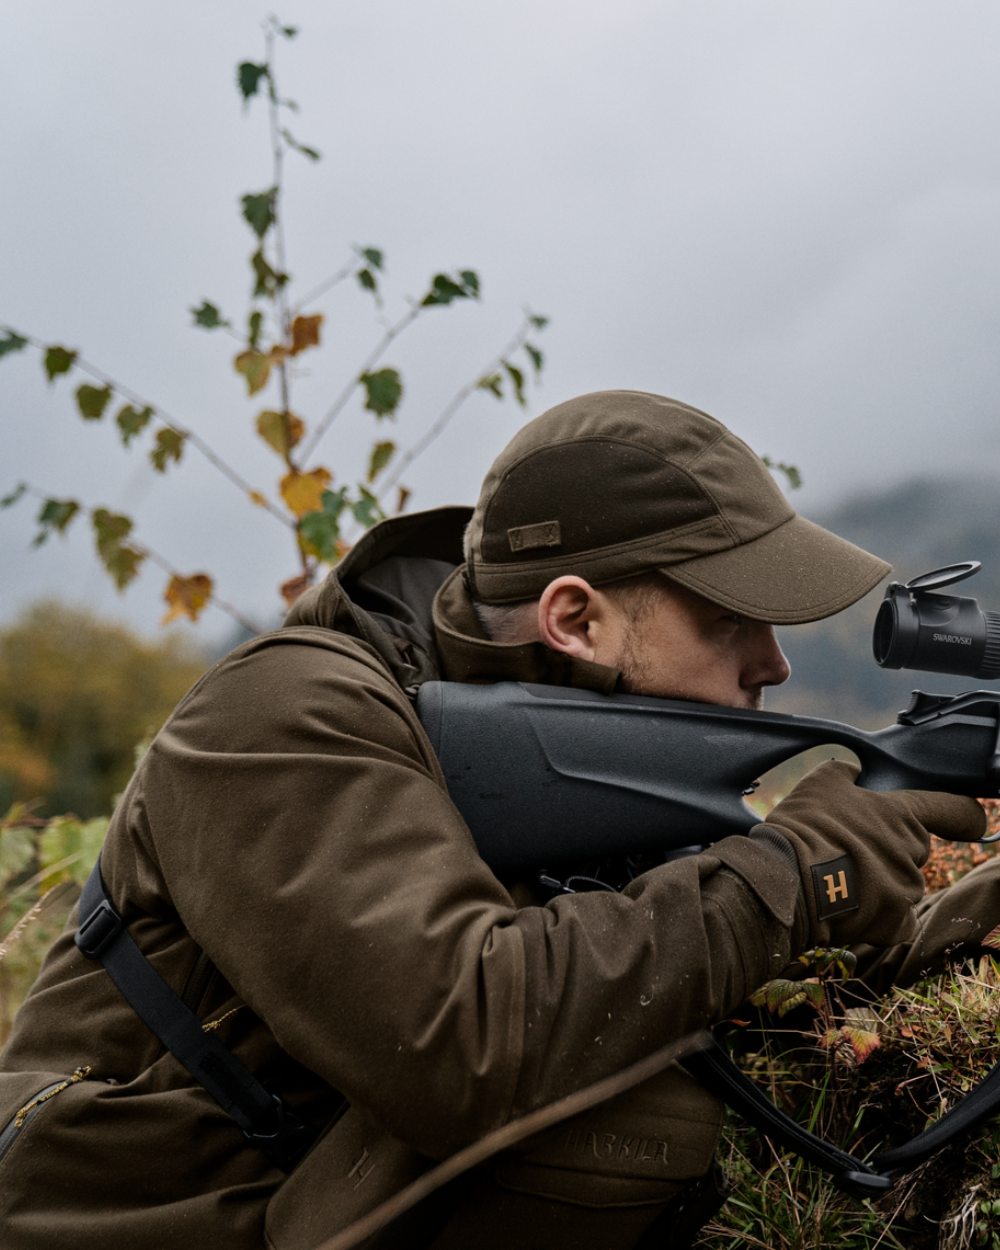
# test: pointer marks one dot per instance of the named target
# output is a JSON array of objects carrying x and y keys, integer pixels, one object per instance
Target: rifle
[{"x": 548, "y": 777}]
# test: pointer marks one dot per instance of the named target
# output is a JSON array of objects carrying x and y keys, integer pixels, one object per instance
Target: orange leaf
[
  {"x": 187, "y": 596},
  {"x": 303, "y": 492},
  {"x": 295, "y": 586},
  {"x": 257, "y": 498},
  {"x": 305, "y": 332}
]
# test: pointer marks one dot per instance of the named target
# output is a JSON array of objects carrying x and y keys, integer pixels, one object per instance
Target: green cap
[{"x": 617, "y": 483}]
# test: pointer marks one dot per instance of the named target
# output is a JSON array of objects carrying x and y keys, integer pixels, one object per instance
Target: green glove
[{"x": 859, "y": 853}]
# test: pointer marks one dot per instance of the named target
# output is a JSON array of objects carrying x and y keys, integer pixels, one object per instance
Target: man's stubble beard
[{"x": 635, "y": 678}]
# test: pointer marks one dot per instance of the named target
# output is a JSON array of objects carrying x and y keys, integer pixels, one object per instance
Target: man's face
[{"x": 679, "y": 645}]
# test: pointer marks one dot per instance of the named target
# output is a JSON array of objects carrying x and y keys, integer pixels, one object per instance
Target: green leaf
[
  {"x": 381, "y": 454},
  {"x": 248, "y": 77},
  {"x": 258, "y": 211},
  {"x": 791, "y": 472},
  {"x": 169, "y": 446},
  {"x": 517, "y": 378},
  {"x": 367, "y": 510},
  {"x": 132, "y": 421},
  {"x": 383, "y": 391},
  {"x": 492, "y": 382},
  {"x": 208, "y": 316},
  {"x": 17, "y": 849},
  {"x": 66, "y": 838},
  {"x": 367, "y": 280},
  {"x": 255, "y": 323},
  {"x": 123, "y": 564},
  {"x": 445, "y": 290},
  {"x": 12, "y": 343},
  {"x": 537, "y": 359},
  {"x": 268, "y": 281},
  {"x": 320, "y": 530},
  {"x": 292, "y": 142},
  {"x": 373, "y": 255},
  {"x": 14, "y": 495},
  {"x": 782, "y": 995},
  {"x": 58, "y": 360},
  {"x": 54, "y": 516},
  {"x": 538, "y": 322},
  {"x": 121, "y": 560},
  {"x": 92, "y": 401},
  {"x": 110, "y": 529}
]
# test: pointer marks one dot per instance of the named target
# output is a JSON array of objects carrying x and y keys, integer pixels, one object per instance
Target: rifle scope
[{"x": 916, "y": 628}]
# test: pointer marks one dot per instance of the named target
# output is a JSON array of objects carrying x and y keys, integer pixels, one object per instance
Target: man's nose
[{"x": 766, "y": 664}]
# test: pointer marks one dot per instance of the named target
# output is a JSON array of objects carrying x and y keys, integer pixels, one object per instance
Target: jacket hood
[
  {"x": 382, "y": 590},
  {"x": 402, "y": 590}
]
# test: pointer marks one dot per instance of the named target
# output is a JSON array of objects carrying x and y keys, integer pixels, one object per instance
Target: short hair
[{"x": 518, "y": 621}]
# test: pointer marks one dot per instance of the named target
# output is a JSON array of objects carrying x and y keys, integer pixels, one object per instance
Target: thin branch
[
  {"x": 435, "y": 431},
  {"x": 162, "y": 562},
  {"x": 327, "y": 285},
  {"x": 170, "y": 423},
  {"x": 340, "y": 402},
  {"x": 222, "y": 604},
  {"x": 278, "y": 226}
]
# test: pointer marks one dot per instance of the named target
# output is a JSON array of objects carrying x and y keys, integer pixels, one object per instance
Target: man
[{"x": 287, "y": 858}]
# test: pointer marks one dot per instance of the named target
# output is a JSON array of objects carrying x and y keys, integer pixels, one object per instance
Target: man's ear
[{"x": 567, "y": 611}]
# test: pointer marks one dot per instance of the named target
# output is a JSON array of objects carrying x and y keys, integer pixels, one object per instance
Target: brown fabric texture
[
  {"x": 288, "y": 858},
  {"x": 289, "y": 824},
  {"x": 617, "y": 483}
]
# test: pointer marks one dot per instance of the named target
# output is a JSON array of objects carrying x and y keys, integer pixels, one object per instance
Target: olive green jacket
[{"x": 289, "y": 860}]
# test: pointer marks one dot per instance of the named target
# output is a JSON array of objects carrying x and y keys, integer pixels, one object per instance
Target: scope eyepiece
[{"x": 918, "y": 628}]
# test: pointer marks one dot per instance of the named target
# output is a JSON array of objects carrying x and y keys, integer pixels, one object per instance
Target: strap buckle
[{"x": 99, "y": 930}]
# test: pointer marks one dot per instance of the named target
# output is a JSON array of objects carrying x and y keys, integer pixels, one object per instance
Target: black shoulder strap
[
  {"x": 265, "y": 1120},
  {"x": 717, "y": 1072}
]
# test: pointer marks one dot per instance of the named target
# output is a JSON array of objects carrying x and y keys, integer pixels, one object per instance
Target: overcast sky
[{"x": 783, "y": 212}]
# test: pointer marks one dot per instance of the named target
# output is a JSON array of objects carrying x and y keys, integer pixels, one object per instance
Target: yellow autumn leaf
[
  {"x": 280, "y": 430},
  {"x": 303, "y": 492},
  {"x": 257, "y": 498},
  {"x": 305, "y": 333},
  {"x": 187, "y": 596},
  {"x": 256, "y": 369}
]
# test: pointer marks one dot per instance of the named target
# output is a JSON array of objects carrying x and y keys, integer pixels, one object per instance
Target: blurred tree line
[{"x": 77, "y": 697}]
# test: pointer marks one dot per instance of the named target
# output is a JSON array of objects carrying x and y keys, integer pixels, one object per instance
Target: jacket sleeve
[{"x": 301, "y": 825}]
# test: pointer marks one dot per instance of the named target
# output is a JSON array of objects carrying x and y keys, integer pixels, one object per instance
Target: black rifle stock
[{"x": 546, "y": 775}]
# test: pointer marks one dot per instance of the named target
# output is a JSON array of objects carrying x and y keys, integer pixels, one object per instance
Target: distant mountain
[{"x": 918, "y": 526}]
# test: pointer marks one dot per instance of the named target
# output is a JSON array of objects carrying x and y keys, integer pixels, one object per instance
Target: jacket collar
[
  {"x": 466, "y": 653},
  {"x": 402, "y": 590}
]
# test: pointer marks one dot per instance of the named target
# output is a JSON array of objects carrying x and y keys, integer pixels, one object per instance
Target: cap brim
[{"x": 797, "y": 572}]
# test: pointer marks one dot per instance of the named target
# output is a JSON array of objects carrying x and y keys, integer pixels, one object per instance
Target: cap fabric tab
[
  {"x": 527, "y": 537},
  {"x": 618, "y": 483}
]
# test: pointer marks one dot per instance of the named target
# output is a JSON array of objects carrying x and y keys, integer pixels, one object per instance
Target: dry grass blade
[{"x": 47, "y": 900}]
